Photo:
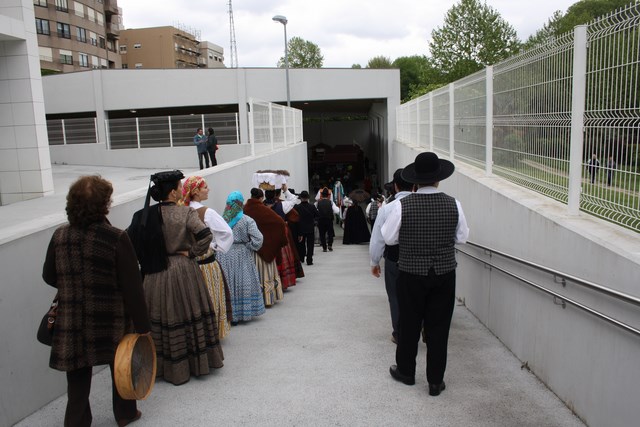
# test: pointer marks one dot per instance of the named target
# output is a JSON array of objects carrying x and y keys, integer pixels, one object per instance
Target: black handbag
[{"x": 46, "y": 328}]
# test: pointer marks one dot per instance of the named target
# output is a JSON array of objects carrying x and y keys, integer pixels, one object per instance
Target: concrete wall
[
  {"x": 28, "y": 382},
  {"x": 590, "y": 364}
]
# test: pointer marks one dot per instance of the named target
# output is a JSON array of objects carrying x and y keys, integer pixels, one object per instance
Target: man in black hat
[
  {"x": 377, "y": 249},
  {"x": 305, "y": 227},
  {"x": 327, "y": 209},
  {"x": 426, "y": 225}
]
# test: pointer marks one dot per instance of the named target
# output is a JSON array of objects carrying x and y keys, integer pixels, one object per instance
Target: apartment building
[
  {"x": 77, "y": 35},
  {"x": 168, "y": 48}
]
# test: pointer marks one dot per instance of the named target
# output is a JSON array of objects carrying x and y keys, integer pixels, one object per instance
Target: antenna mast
[{"x": 232, "y": 37}]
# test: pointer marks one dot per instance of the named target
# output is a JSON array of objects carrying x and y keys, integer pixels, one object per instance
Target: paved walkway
[{"x": 321, "y": 357}]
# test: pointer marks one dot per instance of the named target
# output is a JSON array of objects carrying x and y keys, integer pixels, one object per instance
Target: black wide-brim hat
[{"x": 427, "y": 169}]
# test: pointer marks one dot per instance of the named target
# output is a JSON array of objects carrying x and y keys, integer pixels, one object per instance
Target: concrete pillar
[{"x": 25, "y": 164}]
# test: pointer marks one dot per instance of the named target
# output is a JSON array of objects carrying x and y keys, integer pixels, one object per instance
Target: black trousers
[
  {"x": 325, "y": 228},
  {"x": 391, "y": 273},
  {"x": 212, "y": 155},
  {"x": 305, "y": 247},
  {"x": 429, "y": 299},
  {"x": 205, "y": 157},
  {"x": 78, "y": 413}
]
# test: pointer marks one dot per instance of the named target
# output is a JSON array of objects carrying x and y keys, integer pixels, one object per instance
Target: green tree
[
  {"x": 303, "y": 54},
  {"x": 379, "y": 62},
  {"x": 473, "y": 35},
  {"x": 578, "y": 13},
  {"x": 416, "y": 72},
  {"x": 358, "y": 66}
]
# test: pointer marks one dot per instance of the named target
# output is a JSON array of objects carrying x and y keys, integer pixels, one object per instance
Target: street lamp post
[{"x": 283, "y": 20}]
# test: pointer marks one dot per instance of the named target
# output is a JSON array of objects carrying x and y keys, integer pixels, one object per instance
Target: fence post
[
  {"x": 285, "y": 111},
  {"x": 418, "y": 122},
  {"x": 64, "y": 133},
  {"x": 138, "y": 131},
  {"x": 271, "y": 125},
  {"x": 170, "y": 133},
  {"x": 452, "y": 118},
  {"x": 430, "y": 121},
  {"x": 95, "y": 128},
  {"x": 237, "y": 130},
  {"x": 252, "y": 131},
  {"x": 488, "y": 163},
  {"x": 108, "y": 133},
  {"x": 577, "y": 117},
  {"x": 202, "y": 120}
]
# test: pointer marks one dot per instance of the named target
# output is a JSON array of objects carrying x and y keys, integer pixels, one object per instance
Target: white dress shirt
[
  {"x": 391, "y": 228},
  {"x": 289, "y": 201},
  {"x": 376, "y": 243},
  {"x": 222, "y": 234}
]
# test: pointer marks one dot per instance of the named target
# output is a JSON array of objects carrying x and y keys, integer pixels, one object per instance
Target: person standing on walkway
[
  {"x": 167, "y": 239},
  {"x": 212, "y": 146},
  {"x": 305, "y": 227},
  {"x": 326, "y": 210},
  {"x": 426, "y": 225},
  {"x": 593, "y": 166},
  {"x": 100, "y": 298},
  {"x": 200, "y": 141},
  {"x": 378, "y": 249},
  {"x": 611, "y": 168}
]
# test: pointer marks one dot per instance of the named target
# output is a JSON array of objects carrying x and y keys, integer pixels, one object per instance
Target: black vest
[
  {"x": 325, "y": 209},
  {"x": 427, "y": 233}
]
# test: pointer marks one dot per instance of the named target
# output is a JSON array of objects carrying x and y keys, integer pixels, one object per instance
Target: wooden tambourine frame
[{"x": 135, "y": 366}]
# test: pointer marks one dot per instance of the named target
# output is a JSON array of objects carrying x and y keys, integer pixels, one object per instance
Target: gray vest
[{"x": 427, "y": 233}]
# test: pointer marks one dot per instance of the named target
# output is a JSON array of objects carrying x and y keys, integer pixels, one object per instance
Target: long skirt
[
  {"x": 183, "y": 321},
  {"x": 241, "y": 273},
  {"x": 216, "y": 286},
  {"x": 286, "y": 267},
  {"x": 270, "y": 280},
  {"x": 297, "y": 265}
]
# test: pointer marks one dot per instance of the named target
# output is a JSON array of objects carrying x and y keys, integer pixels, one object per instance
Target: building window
[
  {"x": 91, "y": 14},
  {"x": 124, "y": 66},
  {"x": 64, "y": 30},
  {"x": 99, "y": 19},
  {"x": 79, "y": 8},
  {"x": 81, "y": 34},
  {"x": 83, "y": 59},
  {"x": 123, "y": 48},
  {"x": 66, "y": 57},
  {"x": 42, "y": 26},
  {"x": 93, "y": 38},
  {"x": 138, "y": 65},
  {"x": 95, "y": 62},
  {"x": 62, "y": 6},
  {"x": 41, "y": 3},
  {"x": 137, "y": 46},
  {"x": 46, "y": 54},
  {"x": 101, "y": 42}
]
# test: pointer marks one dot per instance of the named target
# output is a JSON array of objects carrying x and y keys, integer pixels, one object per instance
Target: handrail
[
  {"x": 560, "y": 297},
  {"x": 602, "y": 289}
]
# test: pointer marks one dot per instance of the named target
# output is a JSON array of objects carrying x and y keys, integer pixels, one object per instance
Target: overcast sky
[{"x": 347, "y": 31}]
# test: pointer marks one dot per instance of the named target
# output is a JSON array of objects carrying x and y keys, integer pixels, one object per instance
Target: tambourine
[{"x": 135, "y": 366}]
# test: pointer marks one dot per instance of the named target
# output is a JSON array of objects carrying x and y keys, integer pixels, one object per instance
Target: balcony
[
  {"x": 110, "y": 7},
  {"x": 113, "y": 30}
]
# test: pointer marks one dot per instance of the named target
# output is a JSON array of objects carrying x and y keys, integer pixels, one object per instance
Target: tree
[
  {"x": 473, "y": 36},
  {"x": 578, "y": 13},
  {"x": 358, "y": 66},
  {"x": 303, "y": 54},
  {"x": 379, "y": 62},
  {"x": 415, "y": 71}
]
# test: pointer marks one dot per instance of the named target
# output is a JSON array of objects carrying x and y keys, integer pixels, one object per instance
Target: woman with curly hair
[
  {"x": 100, "y": 297},
  {"x": 167, "y": 239},
  {"x": 194, "y": 191},
  {"x": 238, "y": 264}
]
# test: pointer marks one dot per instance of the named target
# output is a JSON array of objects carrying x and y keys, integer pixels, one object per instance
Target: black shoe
[
  {"x": 309, "y": 263},
  {"x": 399, "y": 376},
  {"x": 435, "y": 389},
  {"x": 330, "y": 249},
  {"x": 324, "y": 249}
]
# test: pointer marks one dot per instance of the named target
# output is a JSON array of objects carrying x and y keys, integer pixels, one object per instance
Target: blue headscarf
[{"x": 233, "y": 210}]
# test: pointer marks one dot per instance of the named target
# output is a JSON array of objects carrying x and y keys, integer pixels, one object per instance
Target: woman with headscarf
[
  {"x": 238, "y": 263},
  {"x": 100, "y": 297},
  {"x": 194, "y": 191},
  {"x": 274, "y": 230},
  {"x": 167, "y": 239},
  {"x": 356, "y": 230}
]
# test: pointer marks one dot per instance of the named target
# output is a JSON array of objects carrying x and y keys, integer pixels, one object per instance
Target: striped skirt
[
  {"x": 269, "y": 280},
  {"x": 183, "y": 321},
  {"x": 215, "y": 281}
]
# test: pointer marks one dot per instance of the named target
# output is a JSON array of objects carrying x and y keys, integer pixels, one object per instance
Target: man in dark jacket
[
  {"x": 308, "y": 218},
  {"x": 327, "y": 209}
]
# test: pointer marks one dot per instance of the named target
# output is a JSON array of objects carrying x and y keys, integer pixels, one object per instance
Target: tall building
[
  {"x": 77, "y": 35},
  {"x": 212, "y": 54}
]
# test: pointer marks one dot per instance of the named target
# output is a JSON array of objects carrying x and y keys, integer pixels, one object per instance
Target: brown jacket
[
  {"x": 100, "y": 294},
  {"x": 272, "y": 227}
]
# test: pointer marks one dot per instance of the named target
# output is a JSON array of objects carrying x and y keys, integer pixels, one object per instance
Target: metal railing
[
  {"x": 562, "y": 119},
  {"x": 273, "y": 126},
  {"x": 559, "y": 298}
]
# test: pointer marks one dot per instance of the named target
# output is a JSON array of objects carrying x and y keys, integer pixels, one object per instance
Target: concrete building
[
  {"x": 77, "y": 35},
  {"x": 25, "y": 165},
  {"x": 167, "y": 47}
]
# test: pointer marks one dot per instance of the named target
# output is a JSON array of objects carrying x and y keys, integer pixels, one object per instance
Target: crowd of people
[{"x": 185, "y": 274}]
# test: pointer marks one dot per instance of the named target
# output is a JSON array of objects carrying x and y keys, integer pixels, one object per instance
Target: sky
[{"x": 347, "y": 31}]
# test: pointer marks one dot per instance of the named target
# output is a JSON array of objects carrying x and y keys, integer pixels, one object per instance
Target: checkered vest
[{"x": 427, "y": 233}]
